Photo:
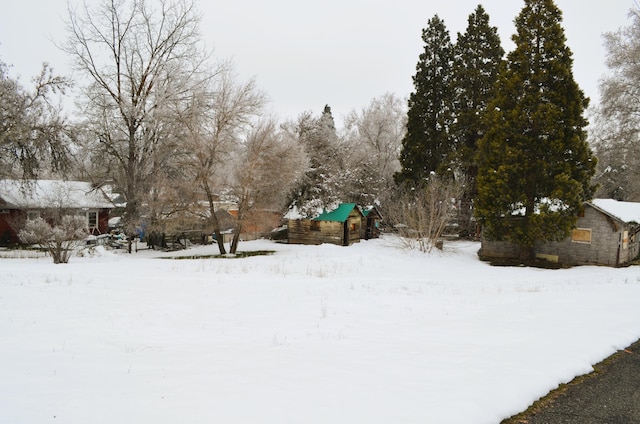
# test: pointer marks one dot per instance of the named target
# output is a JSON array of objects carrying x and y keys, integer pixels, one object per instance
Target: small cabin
[
  {"x": 341, "y": 226},
  {"x": 371, "y": 223},
  {"x": 606, "y": 233}
]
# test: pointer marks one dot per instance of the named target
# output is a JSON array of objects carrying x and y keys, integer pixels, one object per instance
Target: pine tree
[
  {"x": 478, "y": 55},
  {"x": 426, "y": 147},
  {"x": 320, "y": 186},
  {"x": 535, "y": 166}
]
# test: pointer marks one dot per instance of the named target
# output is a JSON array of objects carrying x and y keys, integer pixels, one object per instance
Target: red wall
[{"x": 8, "y": 236}]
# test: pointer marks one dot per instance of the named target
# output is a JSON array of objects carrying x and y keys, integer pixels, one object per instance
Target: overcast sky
[{"x": 338, "y": 52}]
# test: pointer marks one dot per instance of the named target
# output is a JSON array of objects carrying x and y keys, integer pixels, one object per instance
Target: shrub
[
  {"x": 421, "y": 214},
  {"x": 59, "y": 239}
]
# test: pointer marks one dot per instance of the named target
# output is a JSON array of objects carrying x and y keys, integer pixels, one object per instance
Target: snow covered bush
[{"x": 59, "y": 239}]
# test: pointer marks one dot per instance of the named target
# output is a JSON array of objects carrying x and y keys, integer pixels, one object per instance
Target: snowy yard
[{"x": 311, "y": 334}]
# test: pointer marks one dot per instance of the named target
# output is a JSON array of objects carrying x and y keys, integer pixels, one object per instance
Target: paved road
[{"x": 610, "y": 395}]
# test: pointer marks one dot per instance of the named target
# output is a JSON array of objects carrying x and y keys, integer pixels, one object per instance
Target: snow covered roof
[
  {"x": 624, "y": 211},
  {"x": 40, "y": 194}
]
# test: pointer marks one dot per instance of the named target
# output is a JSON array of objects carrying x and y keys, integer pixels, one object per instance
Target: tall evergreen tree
[
  {"x": 535, "y": 166},
  {"x": 478, "y": 55},
  {"x": 320, "y": 186},
  {"x": 426, "y": 146}
]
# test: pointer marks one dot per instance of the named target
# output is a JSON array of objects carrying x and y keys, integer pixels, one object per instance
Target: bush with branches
[
  {"x": 422, "y": 214},
  {"x": 59, "y": 239}
]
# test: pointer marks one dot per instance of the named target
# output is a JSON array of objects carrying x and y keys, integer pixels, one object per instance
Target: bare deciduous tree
[
  {"x": 615, "y": 129},
  {"x": 216, "y": 121},
  {"x": 266, "y": 169},
  {"x": 143, "y": 62},
  {"x": 371, "y": 146},
  {"x": 33, "y": 131},
  {"x": 376, "y": 132},
  {"x": 421, "y": 214}
]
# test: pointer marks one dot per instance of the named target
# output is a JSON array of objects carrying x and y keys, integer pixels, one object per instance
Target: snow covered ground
[{"x": 311, "y": 334}]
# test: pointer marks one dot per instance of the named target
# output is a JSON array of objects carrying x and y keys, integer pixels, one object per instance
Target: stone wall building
[{"x": 605, "y": 234}]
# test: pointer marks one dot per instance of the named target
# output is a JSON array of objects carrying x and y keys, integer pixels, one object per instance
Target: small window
[
  {"x": 4, "y": 211},
  {"x": 353, "y": 227},
  {"x": 581, "y": 235},
  {"x": 92, "y": 219},
  {"x": 315, "y": 226}
]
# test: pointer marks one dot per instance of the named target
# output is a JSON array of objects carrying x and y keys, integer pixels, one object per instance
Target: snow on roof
[
  {"x": 51, "y": 193},
  {"x": 294, "y": 213},
  {"x": 625, "y": 211}
]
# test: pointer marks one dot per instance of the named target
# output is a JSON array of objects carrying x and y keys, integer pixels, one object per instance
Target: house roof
[
  {"x": 340, "y": 214},
  {"x": 367, "y": 211},
  {"x": 39, "y": 194},
  {"x": 624, "y": 211}
]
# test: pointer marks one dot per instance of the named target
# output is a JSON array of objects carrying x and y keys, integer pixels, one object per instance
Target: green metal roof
[{"x": 340, "y": 214}]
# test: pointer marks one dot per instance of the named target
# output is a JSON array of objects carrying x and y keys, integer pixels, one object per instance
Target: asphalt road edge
[{"x": 544, "y": 402}]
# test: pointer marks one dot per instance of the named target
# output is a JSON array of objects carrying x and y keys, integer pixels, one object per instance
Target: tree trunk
[
  {"x": 218, "y": 234},
  {"x": 220, "y": 241},
  {"x": 527, "y": 251},
  {"x": 236, "y": 239},
  {"x": 237, "y": 229},
  {"x": 214, "y": 219}
]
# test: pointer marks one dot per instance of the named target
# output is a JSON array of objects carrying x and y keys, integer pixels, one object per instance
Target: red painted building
[{"x": 30, "y": 199}]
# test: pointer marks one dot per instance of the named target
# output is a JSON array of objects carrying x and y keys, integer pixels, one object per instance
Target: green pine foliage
[
  {"x": 535, "y": 165},
  {"x": 426, "y": 146},
  {"x": 478, "y": 55}
]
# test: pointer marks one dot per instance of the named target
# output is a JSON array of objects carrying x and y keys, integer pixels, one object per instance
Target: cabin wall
[
  {"x": 345, "y": 231},
  {"x": 597, "y": 239},
  {"x": 301, "y": 232},
  {"x": 354, "y": 228},
  {"x": 370, "y": 227}
]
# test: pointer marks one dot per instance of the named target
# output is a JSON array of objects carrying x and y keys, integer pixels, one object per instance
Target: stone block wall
[{"x": 604, "y": 248}]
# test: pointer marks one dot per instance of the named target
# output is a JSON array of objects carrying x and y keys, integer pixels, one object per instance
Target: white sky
[{"x": 337, "y": 52}]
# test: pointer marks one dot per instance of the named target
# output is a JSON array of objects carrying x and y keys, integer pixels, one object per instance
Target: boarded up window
[
  {"x": 581, "y": 235},
  {"x": 315, "y": 226},
  {"x": 625, "y": 239}
]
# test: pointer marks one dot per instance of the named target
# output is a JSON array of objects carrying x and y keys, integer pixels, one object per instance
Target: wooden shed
[
  {"x": 341, "y": 226},
  {"x": 605, "y": 234},
  {"x": 371, "y": 223}
]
